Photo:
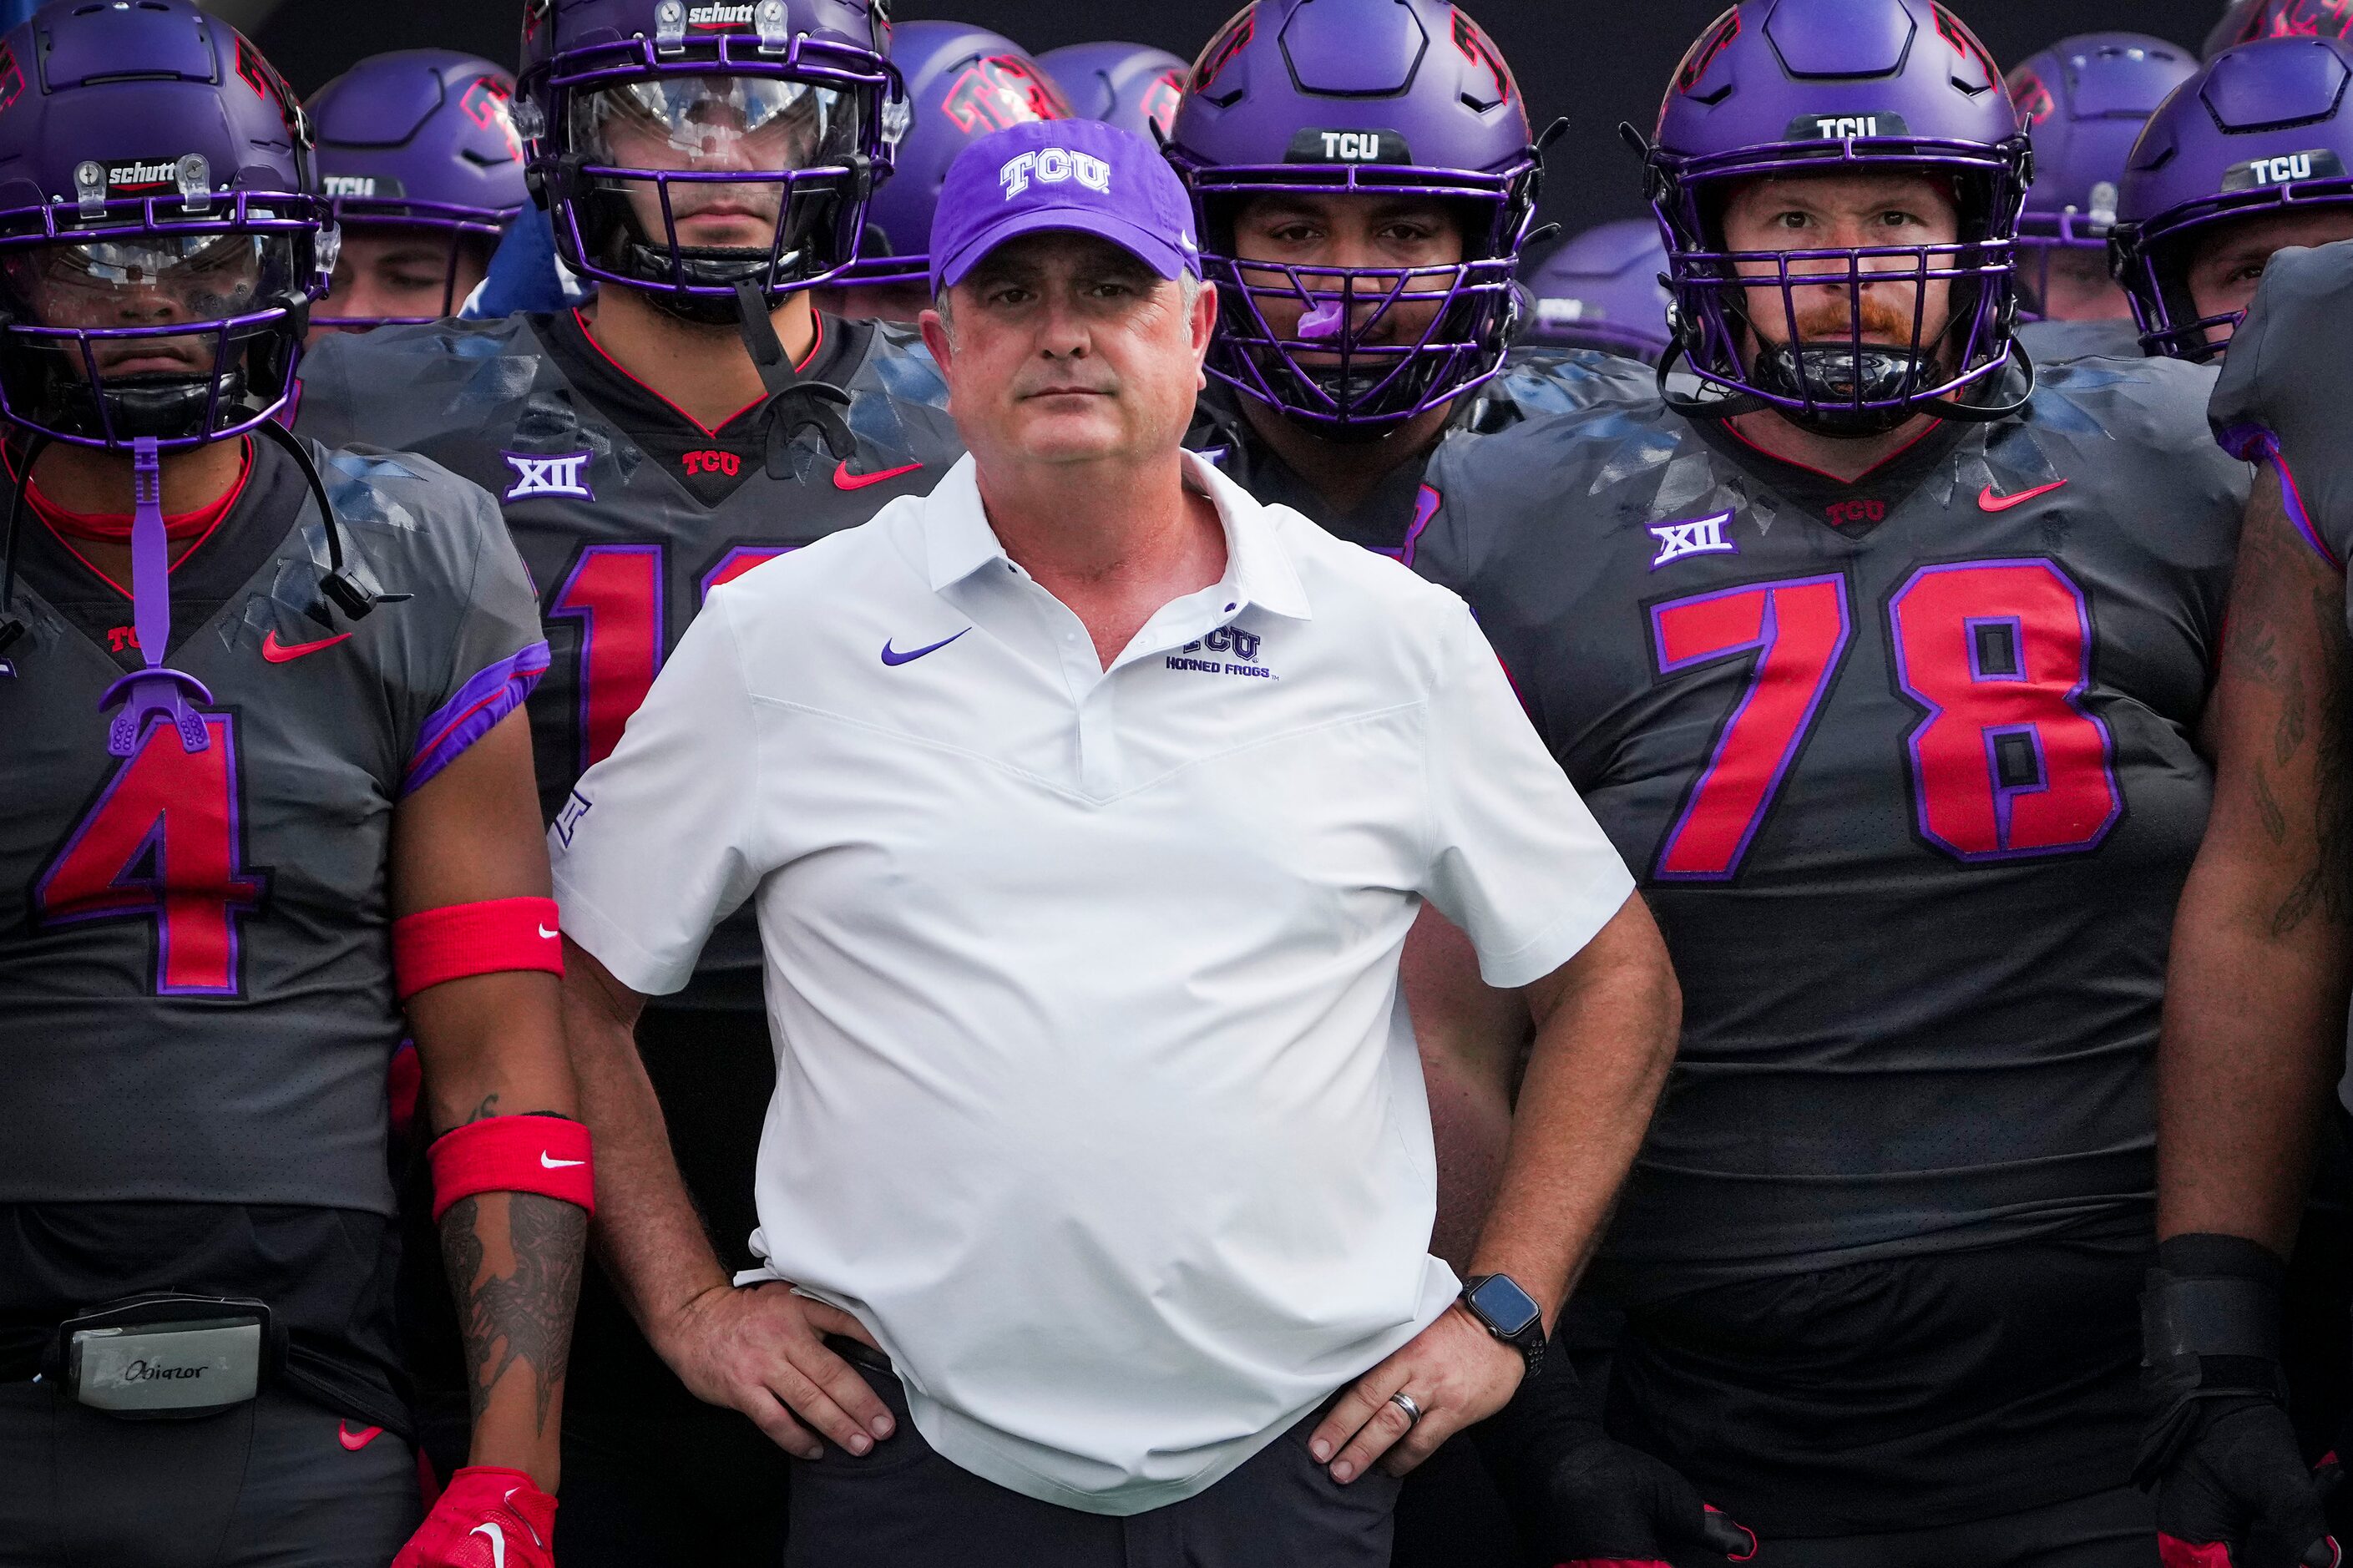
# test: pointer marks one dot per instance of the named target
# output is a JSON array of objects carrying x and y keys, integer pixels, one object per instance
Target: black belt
[{"x": 167, "y": 1357}]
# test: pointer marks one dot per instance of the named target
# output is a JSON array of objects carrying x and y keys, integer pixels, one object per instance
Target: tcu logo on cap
[{"x": 1054, "y": 166}]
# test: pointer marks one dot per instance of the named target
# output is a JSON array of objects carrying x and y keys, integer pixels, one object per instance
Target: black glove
[
  {"x": 2231, "y": 1489},
  {"x": 1587, "y": 1499}
]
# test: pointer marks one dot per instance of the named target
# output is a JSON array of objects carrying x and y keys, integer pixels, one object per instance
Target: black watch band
[{"x": 1509, "y": 1313}]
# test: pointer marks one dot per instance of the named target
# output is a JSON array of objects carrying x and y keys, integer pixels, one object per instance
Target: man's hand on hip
[
  {"x": 1455, "y": 1372},
  {"x": 762, "y": 1351}
]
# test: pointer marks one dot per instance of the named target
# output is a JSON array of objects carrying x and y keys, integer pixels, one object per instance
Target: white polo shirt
[{"x": 1096, "y": 1098}]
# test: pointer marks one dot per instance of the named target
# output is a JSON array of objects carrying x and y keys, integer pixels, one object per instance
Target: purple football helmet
[
  {"x": 2083, "y": 100},
  {"x": 421, "y": 139},
  {"x": 1315, "y": 98},
  {"x": 696, "y": 150},
  {"x": 1603, "y": 289},
  {"x": 160, "y": 250},
  {"x": 1133, "y": 86},
  {"x": 1776, "y": 89},
  {"x": 962, "y": 82},
  {"x": 2248, "y": 20},
  {"x": 160, "y": 247},
  {"x": 2263, "y": 128}
]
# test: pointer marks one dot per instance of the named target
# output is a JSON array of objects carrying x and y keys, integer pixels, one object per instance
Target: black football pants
[
  {"x": 276, "y": 1481},
  {"x": 2107, "y": 1530}
]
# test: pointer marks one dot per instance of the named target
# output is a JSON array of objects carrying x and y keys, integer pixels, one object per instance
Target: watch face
[{"x": 1507, "y": 1309}]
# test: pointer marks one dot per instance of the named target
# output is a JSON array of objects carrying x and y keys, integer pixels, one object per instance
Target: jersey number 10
[{"x": 2006, "y": 762}]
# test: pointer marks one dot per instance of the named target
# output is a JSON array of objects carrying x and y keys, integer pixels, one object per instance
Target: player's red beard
[{"x": 1825, "y": 320}]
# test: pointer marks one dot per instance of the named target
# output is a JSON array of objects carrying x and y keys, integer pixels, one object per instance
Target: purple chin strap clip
[{"x": 156, "y": 689}]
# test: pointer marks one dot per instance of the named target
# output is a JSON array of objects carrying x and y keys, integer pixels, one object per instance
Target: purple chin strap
[{"x": 156, "y": 690}]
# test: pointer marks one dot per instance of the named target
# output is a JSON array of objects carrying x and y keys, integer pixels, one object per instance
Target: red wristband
[
  {"x": 459, "y": 940},
  {"x": 548, "y": 1156}
]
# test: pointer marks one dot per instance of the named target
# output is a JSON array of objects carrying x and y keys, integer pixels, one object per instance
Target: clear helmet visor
[
  {"x": 149, "y": 280},
  {"x": 715, "y": 124}
]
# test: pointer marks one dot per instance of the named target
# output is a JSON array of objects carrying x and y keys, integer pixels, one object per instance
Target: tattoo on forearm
[
  {"x": 2274, "y": 819},
  {"x": 524, "y": 1316},
  {"x": 2287, "y": 641}
]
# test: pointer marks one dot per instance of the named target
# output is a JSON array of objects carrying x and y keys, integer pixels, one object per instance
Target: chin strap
[
  {"x": 793, "y": 403},
  {"x": 342, "y": 588},
  {"x": 12, "y": 625},
  {"x": 157, "y": 691}
]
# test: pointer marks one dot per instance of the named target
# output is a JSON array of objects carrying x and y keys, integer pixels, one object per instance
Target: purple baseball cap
[{"x": 1071, "y": 176}]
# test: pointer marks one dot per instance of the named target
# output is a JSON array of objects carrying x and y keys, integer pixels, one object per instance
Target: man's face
[
  {"x": 718, "y": 124},
  {"x": 1353, "y": 230},
  {"x": 2229, "y": 259},
  {"x": 1063, "y": 348},
  {"x": 150, "y": 282},
  {"x": 2076, "y": 287},
  {"x": 403, "y": 271},
  {"x": 1844, "y": 212}
]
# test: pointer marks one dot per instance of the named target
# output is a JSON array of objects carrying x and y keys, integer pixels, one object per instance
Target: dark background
[{"x": 1597, "y": 62}]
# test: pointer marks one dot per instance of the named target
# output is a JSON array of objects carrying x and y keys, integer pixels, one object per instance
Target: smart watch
[{"x": 1510, "y": 1313}]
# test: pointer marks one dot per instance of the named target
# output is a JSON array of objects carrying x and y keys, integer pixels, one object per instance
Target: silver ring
[{"x": 1403, "y": 1401}]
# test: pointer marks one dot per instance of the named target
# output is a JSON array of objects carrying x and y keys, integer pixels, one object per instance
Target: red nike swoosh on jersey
[
  {"x": 843, "y": 480},
  {"x": 353, "y": 1442},
  {"x": 277, "y": 652},
  {"x": 1992, "y": 502}
]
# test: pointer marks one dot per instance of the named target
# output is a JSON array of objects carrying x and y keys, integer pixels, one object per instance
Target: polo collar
[{"x": 958, "y": 542}]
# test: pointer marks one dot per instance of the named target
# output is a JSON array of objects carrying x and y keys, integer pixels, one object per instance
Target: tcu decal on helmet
[{"x": 1314, "y": 101}]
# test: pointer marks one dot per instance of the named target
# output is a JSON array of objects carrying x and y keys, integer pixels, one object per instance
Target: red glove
[{"x": 486, "y": 1519}]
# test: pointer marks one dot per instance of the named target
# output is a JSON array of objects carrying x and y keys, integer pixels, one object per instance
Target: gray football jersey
[
  {"x": 627, "y": 512},
  {"x": 196, "y": 980},
  {"x": 2054, "y": 342},
  {"x": 1906, "y": 767},
  {"x": 1534, "y": 380}
]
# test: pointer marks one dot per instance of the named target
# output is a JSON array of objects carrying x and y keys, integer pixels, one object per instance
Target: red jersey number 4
[{"x": 163, "y": 843}]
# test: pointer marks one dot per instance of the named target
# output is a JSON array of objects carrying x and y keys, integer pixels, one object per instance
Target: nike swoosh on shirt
[
  {"x": 548, "y": 1162},
  {"x": 353, "y": 1442},
  {"x": 498, "y": 1541},
  {"x": 277, "y": 652},
  {"x": 843, "y": 480},
  {"x": 894, "y": 658},
  {"x": 1992, "y": 502}
]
